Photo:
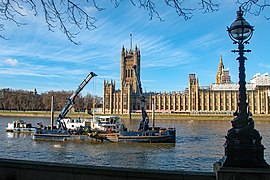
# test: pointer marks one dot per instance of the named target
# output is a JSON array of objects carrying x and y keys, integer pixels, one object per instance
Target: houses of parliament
[{"x": 218, "y": 98}]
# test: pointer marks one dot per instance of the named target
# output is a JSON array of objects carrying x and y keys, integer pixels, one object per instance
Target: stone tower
[
  {"x": 108, "y": 91},
  {"x": 219, "y": 72},
  {"x": 128, "y": 59},
  {"x": 123, "y": 101},
  {"x": 225, "y": 77},
  {"x": 193, "y": 91}
]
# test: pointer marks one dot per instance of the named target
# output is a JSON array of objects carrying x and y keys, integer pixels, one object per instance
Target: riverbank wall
[
  {"x": 159, "y": 116},
  {"x": 25, "y": 170}
]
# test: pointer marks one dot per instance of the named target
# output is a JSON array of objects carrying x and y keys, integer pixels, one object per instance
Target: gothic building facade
[
  {"x": 125, "y": 99},
  {"x": 219, "y": 97}
]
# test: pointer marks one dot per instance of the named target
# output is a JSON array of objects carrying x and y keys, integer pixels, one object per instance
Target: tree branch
[
  {"x": 186, "y": 13},
  {"x": 209, "y": 6},
  {"x": 255, "y": 7},
  {"x": 148, "y": 5},
  {"x": 65, "y": 14}
]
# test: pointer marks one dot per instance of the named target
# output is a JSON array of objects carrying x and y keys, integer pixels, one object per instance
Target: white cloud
[
  {"x": 11, "y": 62},
  {"x": 264, "y": 65},
  {"x": 207, "y": 40}
]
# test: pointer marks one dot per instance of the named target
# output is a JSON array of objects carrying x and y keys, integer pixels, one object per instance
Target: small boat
[
  {"x": 107, "y": 124},
  {"x": 20, "y": 126},
  {"x": 77, "y": 123}
]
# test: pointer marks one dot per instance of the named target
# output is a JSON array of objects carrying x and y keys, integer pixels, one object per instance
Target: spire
[
  {"x": 130, "y": 41},
  {"x": 123, "y": 50},
  {"x": 220, "y": 69},
  {"x": 221, "y": 63}
]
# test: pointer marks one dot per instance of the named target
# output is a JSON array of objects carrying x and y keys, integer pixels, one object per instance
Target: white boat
[
  {"x": 20, "y": 126},
  {"x": 98, "y": 123},
  {"x": 76, "y": 123},
  {"x": 108, "y": 124}
]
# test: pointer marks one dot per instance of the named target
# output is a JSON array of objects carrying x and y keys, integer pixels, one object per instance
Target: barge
[
  {"x": 63, "y": 136},
  {"x": 105, "y": 128},
  {"x": 61, "y": 133},
  {"x": 150, "y": 136},
  {"x": 144, "y": 134}
]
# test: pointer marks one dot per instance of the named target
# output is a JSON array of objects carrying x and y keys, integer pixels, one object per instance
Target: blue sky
[{"x": 34, "y": 57}]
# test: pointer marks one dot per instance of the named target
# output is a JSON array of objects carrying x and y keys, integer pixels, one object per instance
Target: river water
[{"x": 198, "y": 145}]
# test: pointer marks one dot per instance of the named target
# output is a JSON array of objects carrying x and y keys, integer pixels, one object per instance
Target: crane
[
  {"x": 71, "y": 101},
  {"x": 145, "y": 119}
]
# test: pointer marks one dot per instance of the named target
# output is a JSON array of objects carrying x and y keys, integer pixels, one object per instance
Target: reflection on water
[{"x": 198, "y": 145}]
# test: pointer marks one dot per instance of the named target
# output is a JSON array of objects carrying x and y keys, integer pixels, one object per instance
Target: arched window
[
  {"x": 128, "y": 72},
  {"x": 131, "y": 73}
]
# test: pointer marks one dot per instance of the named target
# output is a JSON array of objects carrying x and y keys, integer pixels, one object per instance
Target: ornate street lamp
[{"x": 243, "y": 146}]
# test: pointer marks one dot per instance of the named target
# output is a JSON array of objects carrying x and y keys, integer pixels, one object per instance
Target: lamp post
[{"x": 243, "y": 146}]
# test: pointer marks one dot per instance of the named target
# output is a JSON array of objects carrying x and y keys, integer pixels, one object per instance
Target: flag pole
[{"x": 130, "y": 41}]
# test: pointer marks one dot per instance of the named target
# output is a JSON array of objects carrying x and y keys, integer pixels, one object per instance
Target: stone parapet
[
  {"x": 233, "y": 173},
  {"x": 26, "y": 170}
]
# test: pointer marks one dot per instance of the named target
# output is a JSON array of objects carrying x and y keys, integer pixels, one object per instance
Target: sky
[{"x": 35, "y": 58}]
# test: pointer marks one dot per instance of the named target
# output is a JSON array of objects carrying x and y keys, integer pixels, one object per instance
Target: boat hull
[
  {"x": 54, "y": 135},
  {"x": 21, "y": 130},
  {"x": 166, "y": 136},
  {"x": 51, "y": 137},
  {"x": 146, "y": 139},
  {"x": 159, "y": 135}
]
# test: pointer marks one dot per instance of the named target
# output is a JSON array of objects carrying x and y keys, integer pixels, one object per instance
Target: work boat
[
  {"x": 112, "y": 129},
  {"x": 20, "y": 126},
  {"x": 144, "y": 133},
  {"x": 62, "y": 133},
  {"x": 157, "y": 135},
  {"x": 107, "y": 124},
  {"x": 76, "y": 123}
]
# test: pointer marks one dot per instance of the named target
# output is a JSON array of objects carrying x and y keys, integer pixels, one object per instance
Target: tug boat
[{"x": 20, "y": 126}]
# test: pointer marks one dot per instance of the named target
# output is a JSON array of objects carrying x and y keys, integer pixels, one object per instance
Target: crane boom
[
  {"x": 145, "y": 119},
  {"x": 71, "y": 100}
]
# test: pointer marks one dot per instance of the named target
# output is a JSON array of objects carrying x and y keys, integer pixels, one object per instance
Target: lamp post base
[
  {"x": 247, "y": 156},
  {"x": 243, "y": 146},
  {"x": 225, "y": 173}
]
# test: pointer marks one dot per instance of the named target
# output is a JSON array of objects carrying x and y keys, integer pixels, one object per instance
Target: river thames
[{"x": 198, "y": 145}]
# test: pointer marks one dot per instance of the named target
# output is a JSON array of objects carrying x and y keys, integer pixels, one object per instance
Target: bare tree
[
  {"x": 255, "y": 7},
  {"x": 57, "y": 14},
  {"x": 66, "y": 14}
]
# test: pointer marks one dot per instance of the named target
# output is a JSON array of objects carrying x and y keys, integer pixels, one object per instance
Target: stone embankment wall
[{"x": 31, "y": 170}]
